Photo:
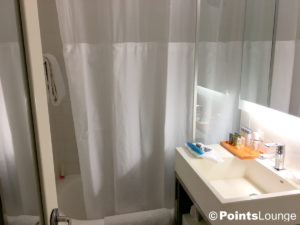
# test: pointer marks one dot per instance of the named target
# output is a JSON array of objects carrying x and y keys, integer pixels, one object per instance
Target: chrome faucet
[{"x": 279, "y": 155}]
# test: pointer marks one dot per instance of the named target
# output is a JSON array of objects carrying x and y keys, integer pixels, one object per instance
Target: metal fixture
[
  {"x": 279, "y": 155},
  {"x": 57, "y": 218}
]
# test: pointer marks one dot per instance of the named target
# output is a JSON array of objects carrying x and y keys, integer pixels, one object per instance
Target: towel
[
  {"x": 54, "y": 81},
  {"x": 151, "y": 217},
  {"x": 23, "y": 220}
]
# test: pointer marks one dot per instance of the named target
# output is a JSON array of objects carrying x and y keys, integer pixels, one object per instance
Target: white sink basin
[
  {"x": 235, "y": 178},
  {"x": 235, "y": 185}
]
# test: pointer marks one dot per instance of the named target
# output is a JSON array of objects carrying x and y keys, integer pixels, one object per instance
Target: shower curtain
[
  {"x": 17, "y": 173},
  {"x": 130, "y": 68}
]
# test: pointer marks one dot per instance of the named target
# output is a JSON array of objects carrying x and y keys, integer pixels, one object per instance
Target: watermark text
[{"x": 252, "y": 216}]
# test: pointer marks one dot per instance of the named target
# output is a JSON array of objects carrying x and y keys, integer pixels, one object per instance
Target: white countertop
[{"x": 269, "y": 163}]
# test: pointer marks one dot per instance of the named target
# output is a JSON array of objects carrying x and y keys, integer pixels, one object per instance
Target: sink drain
[{"x": 253, "y": 194}]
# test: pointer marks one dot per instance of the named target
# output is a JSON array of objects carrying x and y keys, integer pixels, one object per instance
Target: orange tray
[{"x": 242, "y": 153}]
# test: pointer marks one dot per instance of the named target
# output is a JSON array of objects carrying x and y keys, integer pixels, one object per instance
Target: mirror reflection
[
  {"x": 257, "y": 51},
  {"x": 19, "y": 192},
  {"x": 218, "y": 65},
  {"x": 270, "y": 72}
]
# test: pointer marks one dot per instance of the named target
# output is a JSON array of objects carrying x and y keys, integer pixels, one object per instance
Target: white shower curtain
[
  {"x": 18, "y": 182},
  {"x": 130, "y": 68},
  {"x": 19, "y": 191}
]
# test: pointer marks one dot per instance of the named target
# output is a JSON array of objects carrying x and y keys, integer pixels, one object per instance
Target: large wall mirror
[
  {"x": 218, "y": 67},
  {"x": 270, "y": 72},
  {"x": 257, "y": 51}
]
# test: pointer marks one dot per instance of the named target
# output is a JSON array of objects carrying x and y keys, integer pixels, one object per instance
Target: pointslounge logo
[{"x": 252, "y": 216}]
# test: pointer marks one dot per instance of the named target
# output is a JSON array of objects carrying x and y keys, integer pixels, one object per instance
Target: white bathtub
[{"x": 70, "y": 200}]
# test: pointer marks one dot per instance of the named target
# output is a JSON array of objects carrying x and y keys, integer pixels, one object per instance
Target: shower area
[
  {"x": 120, "y": 78},
  {"x": 127, "y": 82}
]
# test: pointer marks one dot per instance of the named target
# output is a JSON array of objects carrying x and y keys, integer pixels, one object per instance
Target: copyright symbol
[{"x": 213, "y": 215}]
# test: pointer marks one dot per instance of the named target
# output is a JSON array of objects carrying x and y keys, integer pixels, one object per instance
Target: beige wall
[{"x": 61, "y": 119}]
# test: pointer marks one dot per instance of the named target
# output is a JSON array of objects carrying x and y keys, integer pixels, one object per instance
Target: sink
[
  {"x": 235, "y": 185},
  {"x": 235, "y": 178}
]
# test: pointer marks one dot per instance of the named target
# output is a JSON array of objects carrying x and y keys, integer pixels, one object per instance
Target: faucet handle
[
  {"x": 280, "y": 148},
  {"x": 279, "y": 155}
]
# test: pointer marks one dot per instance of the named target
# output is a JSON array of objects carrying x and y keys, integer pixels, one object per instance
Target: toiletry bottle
[
  {"x": 230, "y": 139},
  {"x": 236, "y": 137},
  {"x": 247, "y": 134},
  {"x": 239, "y": 143},
  {"x": 243, "y": 141},
  {"x": 257, "y": 140}
]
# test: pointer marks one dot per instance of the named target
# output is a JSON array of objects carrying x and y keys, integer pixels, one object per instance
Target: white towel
[
  {"x": 55, "y": 84},
  {"x": 23, "y": 220},
  {"x": 151, "y": 217}
]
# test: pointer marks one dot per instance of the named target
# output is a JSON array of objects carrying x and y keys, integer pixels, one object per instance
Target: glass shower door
[{"x": 19, "y": 184}]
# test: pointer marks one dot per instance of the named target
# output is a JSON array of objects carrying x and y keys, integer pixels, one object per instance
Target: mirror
[
  {"x": 218, "y": 67},
  {"x": 257, "y": 51},
  {"x": 20, "y": 201},
  {"x": 270, "y": 72}
]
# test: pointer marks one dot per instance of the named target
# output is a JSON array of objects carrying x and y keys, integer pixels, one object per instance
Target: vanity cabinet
[{"x": 234, "y": 187}]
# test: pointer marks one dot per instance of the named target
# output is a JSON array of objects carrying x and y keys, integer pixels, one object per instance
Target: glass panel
[
  {"x": 19, "y": 189},
  {"x": 257, "y": 51},
  {"x": 219, "y": 52}
]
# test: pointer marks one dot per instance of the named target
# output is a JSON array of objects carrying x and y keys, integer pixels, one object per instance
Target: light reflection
[
  {"x": 206, "y": 92},
  {"x": 7, "y": 163},
  {"x": 284, "y": 124}
]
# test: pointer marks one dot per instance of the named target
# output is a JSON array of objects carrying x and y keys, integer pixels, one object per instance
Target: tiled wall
[{"x": 61, "y": 119}]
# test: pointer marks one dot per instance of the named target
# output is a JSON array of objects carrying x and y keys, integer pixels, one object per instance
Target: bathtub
[{"x": 70, "y": 200}]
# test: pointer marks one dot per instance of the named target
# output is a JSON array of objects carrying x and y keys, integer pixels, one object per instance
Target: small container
[
  {"x": 243, "y": 141},
  {"x": 257, "y": 141},
  {"x": 256, "y": 145},
  {"x": 236, "y": 137},
  {"x": 230, "y": 139},
  {"x": 239, "y": 143},
  {"x": 247, "y": 134}
]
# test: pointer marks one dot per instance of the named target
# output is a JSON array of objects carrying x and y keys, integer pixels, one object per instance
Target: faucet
[{"x": 279, "y": 155}]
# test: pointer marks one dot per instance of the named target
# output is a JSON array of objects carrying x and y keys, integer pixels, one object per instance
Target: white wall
[
  {"x": 277, "y": 127},
  {"x": 61, "y": 119}
]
